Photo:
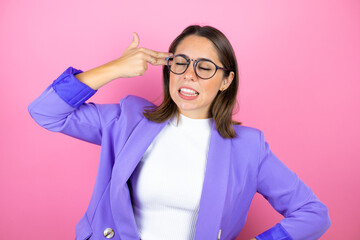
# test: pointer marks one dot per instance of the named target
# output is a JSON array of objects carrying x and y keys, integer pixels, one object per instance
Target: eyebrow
[{"x": 181, "y": 54}]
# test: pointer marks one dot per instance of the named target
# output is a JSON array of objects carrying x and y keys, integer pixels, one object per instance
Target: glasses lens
[
  {"x": 205, "y": 69},
  {"x": 178, "y": 64}
]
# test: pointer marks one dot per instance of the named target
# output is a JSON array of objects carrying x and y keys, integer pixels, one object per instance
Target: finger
[
  {"x": 149, "y": 59},
  {"x": 135, "y": 42},
  {"x": 155, "y": 61},
  {"x": 155, "y": 53},
  {"x": 159, "y": 61}
]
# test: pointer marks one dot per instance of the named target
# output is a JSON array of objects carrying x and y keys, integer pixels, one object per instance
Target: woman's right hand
[{"x": 133, "y": 62}]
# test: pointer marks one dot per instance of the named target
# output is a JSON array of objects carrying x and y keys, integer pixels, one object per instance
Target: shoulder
[
  {"x": 135, "y": 101},
  {"x": 246, "y": 132},
  {"x": 132, "y": 104},
  {"x": 250, "y": 137}
]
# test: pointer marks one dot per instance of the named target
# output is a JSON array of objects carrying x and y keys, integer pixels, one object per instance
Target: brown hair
[{"x": 221, "y": 108}]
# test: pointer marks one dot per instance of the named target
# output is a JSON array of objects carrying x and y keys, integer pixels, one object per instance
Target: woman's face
[{"x": 196, "y": 104}]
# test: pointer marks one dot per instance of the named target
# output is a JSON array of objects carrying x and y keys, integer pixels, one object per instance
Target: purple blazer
[{"x": 236, "y": 169}]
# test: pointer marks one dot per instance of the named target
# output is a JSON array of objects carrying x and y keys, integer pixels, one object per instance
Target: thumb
[{"x": 135, "y": 41}]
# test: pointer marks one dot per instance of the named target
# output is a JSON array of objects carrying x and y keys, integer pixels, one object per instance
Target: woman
[{"x": 183, "y": 169}]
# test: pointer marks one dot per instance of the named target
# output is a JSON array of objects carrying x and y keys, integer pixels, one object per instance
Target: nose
[{"x": 190, "y": 72}]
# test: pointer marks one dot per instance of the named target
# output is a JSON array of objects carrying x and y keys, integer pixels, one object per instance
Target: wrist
[{"x": 97, "y": 77}]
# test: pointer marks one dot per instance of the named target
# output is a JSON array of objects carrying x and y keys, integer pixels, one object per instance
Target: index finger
[
  {"x": 156, "y": 54},
  {"x": 155, "y": 61}
]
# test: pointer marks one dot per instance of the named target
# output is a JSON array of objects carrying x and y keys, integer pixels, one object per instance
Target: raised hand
[{"x": 134, "y": 61}]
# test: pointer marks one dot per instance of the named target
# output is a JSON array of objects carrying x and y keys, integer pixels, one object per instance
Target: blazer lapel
[
  {"x": 213, "y": 191},
  {"x": 124, "y": 165},
  {"x": 214, "y": 188}
]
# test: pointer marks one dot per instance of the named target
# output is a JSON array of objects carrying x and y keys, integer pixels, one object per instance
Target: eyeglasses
[{"x": 204, "y": 68}]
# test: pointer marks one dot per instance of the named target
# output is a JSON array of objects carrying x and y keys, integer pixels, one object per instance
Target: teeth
[{"x": 188, "y": 92}]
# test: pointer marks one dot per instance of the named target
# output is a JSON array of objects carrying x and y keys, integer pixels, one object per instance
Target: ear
[{"x": 227, "y": 81}]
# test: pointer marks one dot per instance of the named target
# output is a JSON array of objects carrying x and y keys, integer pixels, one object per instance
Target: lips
[{"x": 188, "y": 91}]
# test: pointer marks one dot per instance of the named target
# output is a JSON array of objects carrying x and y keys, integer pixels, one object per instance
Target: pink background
[{"x": 300, "y": 84}]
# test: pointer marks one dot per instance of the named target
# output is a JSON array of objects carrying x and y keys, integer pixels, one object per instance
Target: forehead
[{"x": 197, "y": 47}]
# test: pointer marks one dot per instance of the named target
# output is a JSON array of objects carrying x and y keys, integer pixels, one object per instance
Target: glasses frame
[{"x": 188, "y": 60}]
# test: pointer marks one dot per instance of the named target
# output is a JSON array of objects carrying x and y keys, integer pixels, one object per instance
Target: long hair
[{"x": 221, "y": 109}]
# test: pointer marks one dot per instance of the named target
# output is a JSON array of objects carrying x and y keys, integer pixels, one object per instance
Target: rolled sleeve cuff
[
  {"x": 277, "y": 232},
  {"x": 70, "y": 89}
]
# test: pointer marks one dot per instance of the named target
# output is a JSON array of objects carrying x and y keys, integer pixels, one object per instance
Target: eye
[
  {"x": 181, "y": 64},
  {"x": 205, "y": 66},
  {"x": 205, "y": 69}
]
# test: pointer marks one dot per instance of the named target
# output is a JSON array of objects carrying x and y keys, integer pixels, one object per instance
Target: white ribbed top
[{"x": 167, "y": 183}]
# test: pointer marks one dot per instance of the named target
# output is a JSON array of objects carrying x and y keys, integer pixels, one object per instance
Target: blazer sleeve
[
  {"x": 305, "y": 216},
  {"x": 62, "y": 108}
]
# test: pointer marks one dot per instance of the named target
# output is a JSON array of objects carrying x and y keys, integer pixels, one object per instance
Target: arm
[
  {"x": 305, "y": 216},
  {"x": 133, "y": 62},
  {"x": 61, "y": 106}
]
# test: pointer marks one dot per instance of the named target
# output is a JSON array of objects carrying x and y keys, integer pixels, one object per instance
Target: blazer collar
[
  {"x": 213, "y": 191},
  {"x": 214, "y": 188}
]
